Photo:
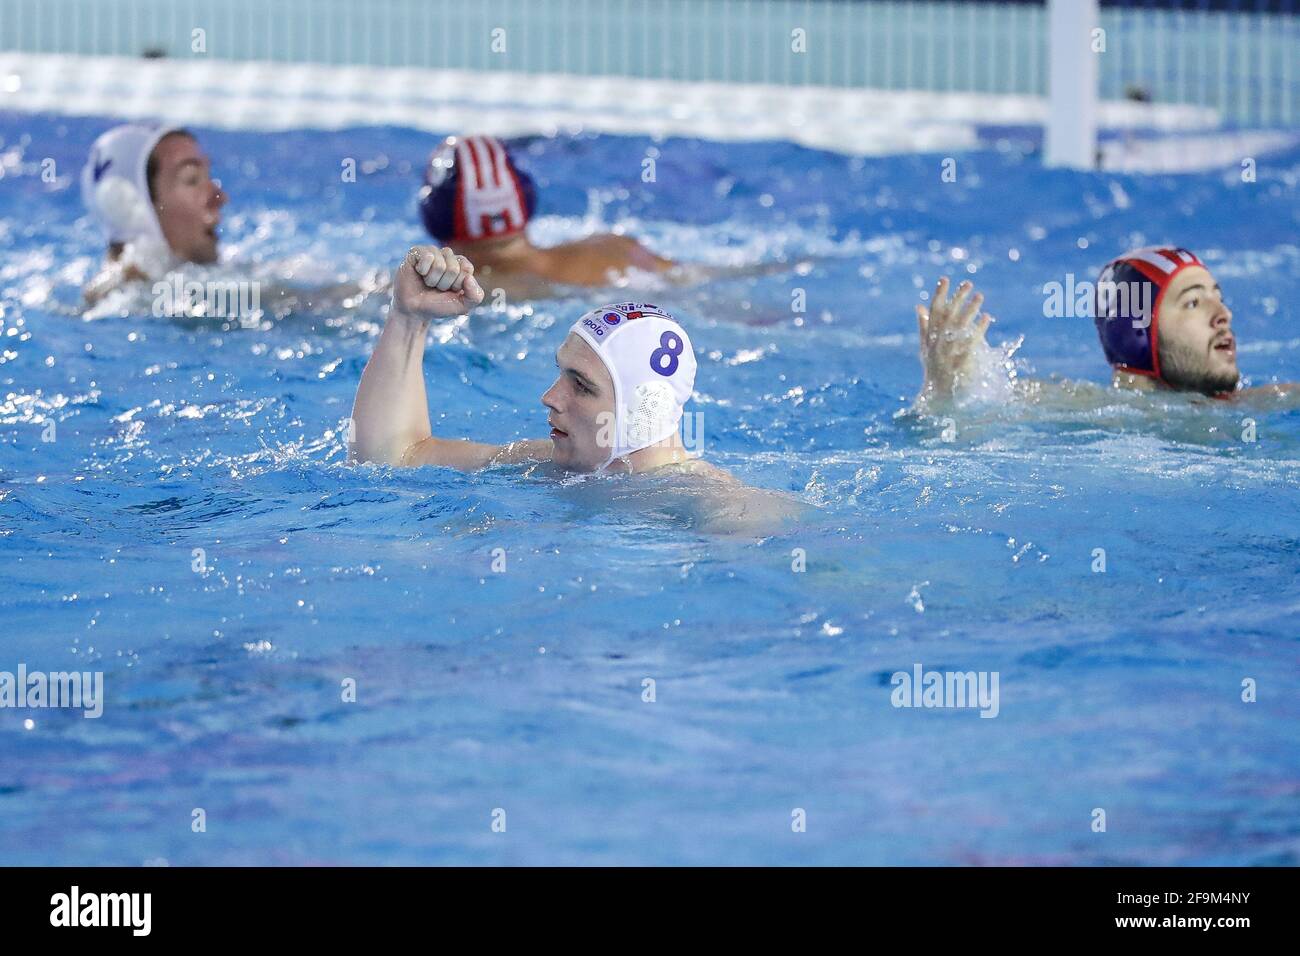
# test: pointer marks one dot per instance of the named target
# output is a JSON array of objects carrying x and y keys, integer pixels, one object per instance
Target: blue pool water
[{"x": 523, "y": 690}]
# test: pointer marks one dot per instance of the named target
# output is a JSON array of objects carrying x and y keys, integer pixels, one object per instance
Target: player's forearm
[
  {"x": 100, "y": 286},
  {"x": 334, "y": 296},
  {"x": 391, "y": 412},
  {"x": 1275, "y": 395},
  {"x": 113, "y": 276},
  {"x": 471, "y": 455}
]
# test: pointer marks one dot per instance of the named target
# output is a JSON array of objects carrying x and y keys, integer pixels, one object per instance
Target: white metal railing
[{"x": 1245, "y": 65}]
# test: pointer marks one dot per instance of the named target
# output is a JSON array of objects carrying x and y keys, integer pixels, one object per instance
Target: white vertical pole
[{"x": 1071, "y": 132}]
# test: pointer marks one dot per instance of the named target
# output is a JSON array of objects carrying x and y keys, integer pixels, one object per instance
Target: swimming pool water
[{"x": 523, "y": 690}]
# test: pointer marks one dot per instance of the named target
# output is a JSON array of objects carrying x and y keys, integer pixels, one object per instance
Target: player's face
[
  {"x": 187, "y": 199},
  {"x": 1198, "y": 351},
  {"x": 581, "y": 404}
]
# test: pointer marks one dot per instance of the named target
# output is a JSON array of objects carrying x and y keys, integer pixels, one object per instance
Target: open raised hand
[{"x": 952, "y": 338}]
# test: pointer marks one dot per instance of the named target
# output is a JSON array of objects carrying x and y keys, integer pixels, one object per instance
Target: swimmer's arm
[
  {"x": 1282, "y": 394},
  {"x": 518, "y": 286},
  {"x": 639, "y": 257},
  {"x": 690, "y": 273},
  {"x": 347, "y": 294},
  {"x": 390, "y": 418},
  {"x": 112, "y": 276},
  {"x": 467, "y": 455}
]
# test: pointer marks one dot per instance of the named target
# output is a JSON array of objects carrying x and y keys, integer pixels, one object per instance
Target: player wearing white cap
[
  {"x": 626, "y": 371},
  {"x": 151, "y": 190}
]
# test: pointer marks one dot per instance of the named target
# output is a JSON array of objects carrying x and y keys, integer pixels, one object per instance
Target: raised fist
[{"x": 434, "y": 283}]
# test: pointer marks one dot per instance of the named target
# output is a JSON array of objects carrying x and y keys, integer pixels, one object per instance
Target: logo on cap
[{"x": 639, "y": 310}]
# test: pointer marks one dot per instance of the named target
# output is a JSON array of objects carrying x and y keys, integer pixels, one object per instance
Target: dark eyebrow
[
  {"x": 582, "y": 378},
  {"x": 575, "y": 373}
]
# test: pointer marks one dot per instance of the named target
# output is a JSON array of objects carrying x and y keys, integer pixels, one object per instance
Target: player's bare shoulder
[{"x": 699, "y": 468}]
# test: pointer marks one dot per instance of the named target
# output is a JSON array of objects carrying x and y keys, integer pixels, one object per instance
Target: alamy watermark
[
  {"x": 75, "y": 908},
  {"x": 83, "y": 690},
  {"x": 213, "y": 298},
  {"x": 955, "y": 689},
  {"x": 1073, "y": 299},
  {"x": 650, "y": 423}
]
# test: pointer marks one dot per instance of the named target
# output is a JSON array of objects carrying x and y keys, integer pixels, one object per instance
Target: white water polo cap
[
  {"x": 115, "y": 182},
  {"x": 650, "y": 359}
]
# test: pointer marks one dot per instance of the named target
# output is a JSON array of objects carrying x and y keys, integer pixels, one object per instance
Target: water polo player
[
  {"x": 151, "y": 190},
  {"x": 1160, "y": 315},
  {"x": 626, "y": 371},
  {"x": 475, "y": 197}
]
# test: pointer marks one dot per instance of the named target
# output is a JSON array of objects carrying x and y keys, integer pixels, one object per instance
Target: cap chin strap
[{"x": 616, "y": 446}]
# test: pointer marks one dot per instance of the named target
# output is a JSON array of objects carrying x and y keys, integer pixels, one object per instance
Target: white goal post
[{"x": 1072, "y": 53}]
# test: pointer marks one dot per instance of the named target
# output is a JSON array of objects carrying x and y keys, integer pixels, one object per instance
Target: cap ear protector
[
  {"x": 1128, "y": 295},
  {"x": 115, "y": 182},
  {"x": 652, "y": 364},
  {"x": 473, "y": 190}
]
